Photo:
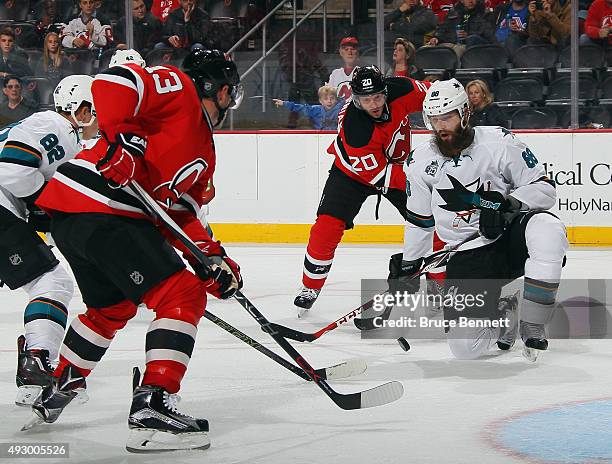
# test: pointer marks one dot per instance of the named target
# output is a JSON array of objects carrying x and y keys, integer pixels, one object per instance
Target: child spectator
[
  {"x": 323, "y": 116},
  {"x": 411, "y": 21},
  {"x": 340, "y": 78},
  {"x": 550, "y": 22},
  {"x": 482, "y": 110},
  {"x": 12, "y": 62},
  {"x": 403, "y": 57},
  {"x": 53, "y": 65},
  {"x": 598, "y": 24},
  {"x": 188, "y": 27},
  {"x": 147, "y": 29},
  {"x": 87, "y": 30},
  {"x": 15, "y": 108}
]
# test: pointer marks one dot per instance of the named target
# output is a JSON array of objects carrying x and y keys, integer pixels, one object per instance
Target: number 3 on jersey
[{"x": 167, "y": 86}]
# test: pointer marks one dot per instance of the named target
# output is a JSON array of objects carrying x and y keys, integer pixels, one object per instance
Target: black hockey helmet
[
  {"x": 368, "y": 80},
  {"x": 211, "y": 69}
]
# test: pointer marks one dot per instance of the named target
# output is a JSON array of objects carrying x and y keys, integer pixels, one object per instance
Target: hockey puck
[{"x": 403, "y": 343}]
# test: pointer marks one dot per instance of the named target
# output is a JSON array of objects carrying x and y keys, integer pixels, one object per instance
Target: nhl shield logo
[
  {"x": 137, "y": 277},
  {"x": 15, "y": 259}
]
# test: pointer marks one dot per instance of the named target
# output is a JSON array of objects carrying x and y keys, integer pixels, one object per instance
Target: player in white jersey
[
  {"x": 30, "y": 152},
  {"x": 482, "y": 182}
]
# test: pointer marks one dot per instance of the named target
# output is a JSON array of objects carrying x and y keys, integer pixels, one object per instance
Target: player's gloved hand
[
  {"x": 120, "y": 163},
  {"x": 496, "y": 212},
  {"x": 38, "y": 219},
  {"x": 400, "y": 274},
  {"x": 222, "y": 279}
]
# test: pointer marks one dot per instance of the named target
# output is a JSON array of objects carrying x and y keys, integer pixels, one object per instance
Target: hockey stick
[
  {"x": 377, "y": 396},
  {"x": 430, "y": 262},
  {"x": 338, "y": 371}
]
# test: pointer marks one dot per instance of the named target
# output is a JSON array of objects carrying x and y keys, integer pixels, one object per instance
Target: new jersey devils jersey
[
  {"x": 340, "y": 78},
  {"x": 161, "y": 104},
  {"x": 441, "y": 189},
  {"x": 363, "y": 146}
]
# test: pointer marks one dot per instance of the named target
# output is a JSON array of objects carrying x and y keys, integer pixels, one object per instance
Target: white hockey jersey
[
  {"x": 441, "y": 189},
  {"x": 342, "y": 82},
  {"x": 30, "y": 152},
  {"x": 100, "y": 36}
]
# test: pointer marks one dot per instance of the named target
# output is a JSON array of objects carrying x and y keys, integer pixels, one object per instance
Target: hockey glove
[
  {"x": 38, "y": 219},
  {"x": 222, "y": 279},
  {"x": 496, "y": 212},
  {"x": 119, "y": 165},
  {"x": 401, "y": 274}
]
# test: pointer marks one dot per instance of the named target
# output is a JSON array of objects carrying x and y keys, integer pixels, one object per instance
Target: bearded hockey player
[
  {"x": 157, "y": 130},
  {"x": 30, "y": 152},
  {"x": 483, "y": 179},
  {"x": 372, "y": 144}
]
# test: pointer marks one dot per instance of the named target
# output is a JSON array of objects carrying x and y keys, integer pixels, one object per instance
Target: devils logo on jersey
[
  {"x": 399, "y": 148},
  {"x": 168, "y": 193}
]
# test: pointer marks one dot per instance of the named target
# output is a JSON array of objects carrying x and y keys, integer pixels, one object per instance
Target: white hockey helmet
[
  {"x": 443, "y": 97},
  {"x": 71, "y": 92},
  {"x": 125, "y": 57}
]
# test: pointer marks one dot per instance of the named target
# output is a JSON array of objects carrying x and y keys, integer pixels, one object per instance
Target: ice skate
[
  {"x": 305, "y": 299},
  {"x": 34, "y": 372},
  {"x": 534, "y": 337},
  {"x": 508, "y": 306},
  {"x": 56, "y": 396},
  {"x": 156, "y": 425}
]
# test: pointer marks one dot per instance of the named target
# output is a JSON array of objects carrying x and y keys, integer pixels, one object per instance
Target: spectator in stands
[
  {"x": 87, "y": 30},
  {"x": 598, "y": 24},
  {"x": 511, "y": 21},
  {"x": 13, "y": 10},
  {"x": 13, "y": 62},
  {"x": 111, "y": 9},
  {"x": 188, "y": 27},
  {"x": 323, "y": 116},
  {"x": 465, "y": 25},
  {"x": 46, "y": 13},
  {"x": 340, "y": 78},
  {"x": 411, "y": 21},
  {"x": 147, "y": 29},
  {"x": 550, "y": 22},
  {"x": 15, "y": 108},
  {"x": 53, "y": 64},
  {"x": 403, "y": 61},
  {"x": 310, "y": 72},
  {"x": 162, "y": 8},
  {"x": 482, "y": 110},
  {"x": 439, "y": 7}
]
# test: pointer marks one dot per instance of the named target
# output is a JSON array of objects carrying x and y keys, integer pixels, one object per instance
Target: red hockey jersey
[
  {"x": 363, "y": 146},
  {"x": 161, "y": 104}
]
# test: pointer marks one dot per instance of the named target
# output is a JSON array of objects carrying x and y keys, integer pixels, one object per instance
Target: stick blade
[
  {"x": 382, "y": 394},
  {"x": 349, "y": 368}
]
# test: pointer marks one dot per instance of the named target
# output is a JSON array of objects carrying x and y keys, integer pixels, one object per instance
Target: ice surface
[{"x": 261, "y": 413}]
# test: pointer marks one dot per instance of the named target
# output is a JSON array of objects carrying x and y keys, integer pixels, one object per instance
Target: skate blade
[
  {"x": 301, "y": 312},
  {"x": 531, "y": 354},
  {"x": 34, "y": 421},
  {"x": 156, "y": 441},
  {"x": 27, "y": 394}
]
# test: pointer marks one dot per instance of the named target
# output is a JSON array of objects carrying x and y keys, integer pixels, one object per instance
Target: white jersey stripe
[
  {"x": 174, "y": 324},
  {"x": 167, "y": 355}
]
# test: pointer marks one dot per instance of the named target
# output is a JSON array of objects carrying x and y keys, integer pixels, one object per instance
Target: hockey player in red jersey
[
  {"x": 372, "y": 144},
  {"x": 157, "y": 127}
]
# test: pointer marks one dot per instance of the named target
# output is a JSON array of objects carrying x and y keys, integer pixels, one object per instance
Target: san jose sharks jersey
[
  {"x": 442, "y": 191},
  {"x": 30, "y": 152}
]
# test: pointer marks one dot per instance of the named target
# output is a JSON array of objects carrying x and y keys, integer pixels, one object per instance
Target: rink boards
[{"x": 268, "y": 186}]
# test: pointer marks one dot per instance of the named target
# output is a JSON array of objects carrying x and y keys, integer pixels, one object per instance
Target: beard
[{"x": 459, "y": 140}]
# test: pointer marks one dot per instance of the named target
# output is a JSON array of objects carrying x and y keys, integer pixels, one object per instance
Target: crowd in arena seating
[{"x": 514, "y": 52}]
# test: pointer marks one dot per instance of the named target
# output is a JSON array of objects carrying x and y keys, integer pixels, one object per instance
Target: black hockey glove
[
  {"x": 496, "y": 213},
  {"x": 401, "y": 274},
  {"x": 38, "y": 219}
]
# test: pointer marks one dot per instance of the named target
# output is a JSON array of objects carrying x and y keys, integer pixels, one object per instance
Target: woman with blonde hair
[
  {"x": 53, "y": 64},
  {"x": 483, "y": 111},
  {"x": 403, "y": 61}
]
